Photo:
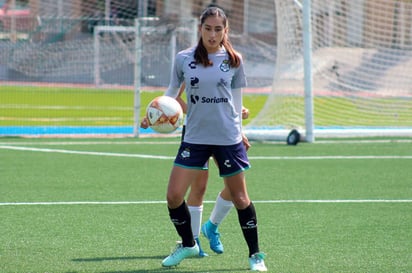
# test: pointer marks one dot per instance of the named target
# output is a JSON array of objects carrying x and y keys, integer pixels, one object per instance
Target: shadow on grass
[
  {"x": 175, "y": 269},
  {"x": 178, "y": 270},
  {"x": 102, "y": 259}
]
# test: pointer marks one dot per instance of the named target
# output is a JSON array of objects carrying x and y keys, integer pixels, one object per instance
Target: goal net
[
  {"x": 361, "y": 62},
  {"x": 75, "y": 72},
  {"x": 78, "y": 65}
]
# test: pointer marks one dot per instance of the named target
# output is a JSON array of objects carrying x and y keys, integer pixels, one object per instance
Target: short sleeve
[{"x": 239, "y": 78}]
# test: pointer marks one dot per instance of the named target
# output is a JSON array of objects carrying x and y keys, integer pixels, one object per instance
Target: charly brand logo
[
  {"x": 192, "y": 65},
  {"x": 250, "y": 224}
]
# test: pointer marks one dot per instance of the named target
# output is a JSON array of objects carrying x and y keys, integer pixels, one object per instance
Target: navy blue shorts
[
  {"x": 230, "y": 159},
  {"x": 206, "y": 166}
]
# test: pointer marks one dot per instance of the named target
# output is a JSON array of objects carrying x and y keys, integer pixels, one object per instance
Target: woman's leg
[
  {"x": 195, "y": 200},
  {"x": 246, "y": 211},
  {"x": 179, "y": 182},
  {"x": 222, "y": 207},
  {"x": 195, "y": 205}
]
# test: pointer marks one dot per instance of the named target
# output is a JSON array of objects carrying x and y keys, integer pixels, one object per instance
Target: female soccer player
[
  {"x": 223, "y": 203},
  {"x": 214, "y": 75}
]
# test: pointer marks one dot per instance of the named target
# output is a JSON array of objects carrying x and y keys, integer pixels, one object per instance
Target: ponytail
[{"x": 234, "y": 56}]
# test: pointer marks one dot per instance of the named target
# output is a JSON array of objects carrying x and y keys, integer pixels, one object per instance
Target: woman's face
[{"x": 212, "y": 31}]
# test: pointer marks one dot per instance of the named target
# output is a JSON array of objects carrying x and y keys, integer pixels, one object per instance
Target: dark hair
[{"x": 201, "y": 55}]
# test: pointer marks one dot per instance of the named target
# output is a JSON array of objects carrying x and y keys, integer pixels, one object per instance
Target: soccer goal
[
  {"x": 342, "y": 70},
  {"x": 150, "y": 46},
  {"x": 337, "y": 68}
]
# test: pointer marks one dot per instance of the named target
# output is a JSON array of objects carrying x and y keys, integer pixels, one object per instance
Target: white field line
[
  {"x": 331, "y": 157},
  {"x": 52, "y": 143},
  {"x": 172, "y": 157},
  {"x": 62, "y": 119},
  {"x": 70, "y": 203},
  {"x": 60, "y": 107},
  {"x": 63, "y": 151},
  {"x": 84, "y": 152}
]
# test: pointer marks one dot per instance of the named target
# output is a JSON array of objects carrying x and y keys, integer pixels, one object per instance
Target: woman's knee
[
  {"x": 198, "y": 188},
  {"x": 174, "y": 200},
  {"x": 240, "y": 200}
]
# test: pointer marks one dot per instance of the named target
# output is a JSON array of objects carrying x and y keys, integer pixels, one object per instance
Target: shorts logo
[
  {"x": 185, "y": 154},
  {"x": 227, "y": 163},
  {"x": 224, "y": 66}
]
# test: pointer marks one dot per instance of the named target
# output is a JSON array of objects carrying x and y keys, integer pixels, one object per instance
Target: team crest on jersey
[{"x": 224, "y": 66}]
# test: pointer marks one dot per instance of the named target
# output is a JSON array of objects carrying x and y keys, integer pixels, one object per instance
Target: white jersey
[{"x": 214, "y": 97}]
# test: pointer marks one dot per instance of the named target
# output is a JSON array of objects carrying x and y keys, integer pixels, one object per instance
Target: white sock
[
  {"x": 196, "y": 216},
  {"x": 220, "y": 210}
]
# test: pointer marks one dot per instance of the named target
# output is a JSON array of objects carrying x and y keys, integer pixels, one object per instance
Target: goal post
[
  {"x": 150, "y": 45},
  {"x": 135, "y": 56},
  {"x": 307, "y": 67}
]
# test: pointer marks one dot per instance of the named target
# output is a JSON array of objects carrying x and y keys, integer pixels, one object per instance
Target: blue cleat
[
  {"x": 209, "y": 230},
  {"x": 201, "y": 252}
]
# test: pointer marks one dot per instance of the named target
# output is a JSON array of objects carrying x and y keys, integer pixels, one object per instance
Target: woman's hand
[
  {"x": 246, "y": 142},
  {"x": 145, "y": 123},
  {"x": 245, "y": 112}
]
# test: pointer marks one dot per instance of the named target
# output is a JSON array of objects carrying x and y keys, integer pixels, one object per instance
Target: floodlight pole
[{"x": 308, "y": 80}]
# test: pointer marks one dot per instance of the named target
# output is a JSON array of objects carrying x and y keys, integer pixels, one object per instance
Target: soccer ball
[{"x": 164, "y": 114}]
